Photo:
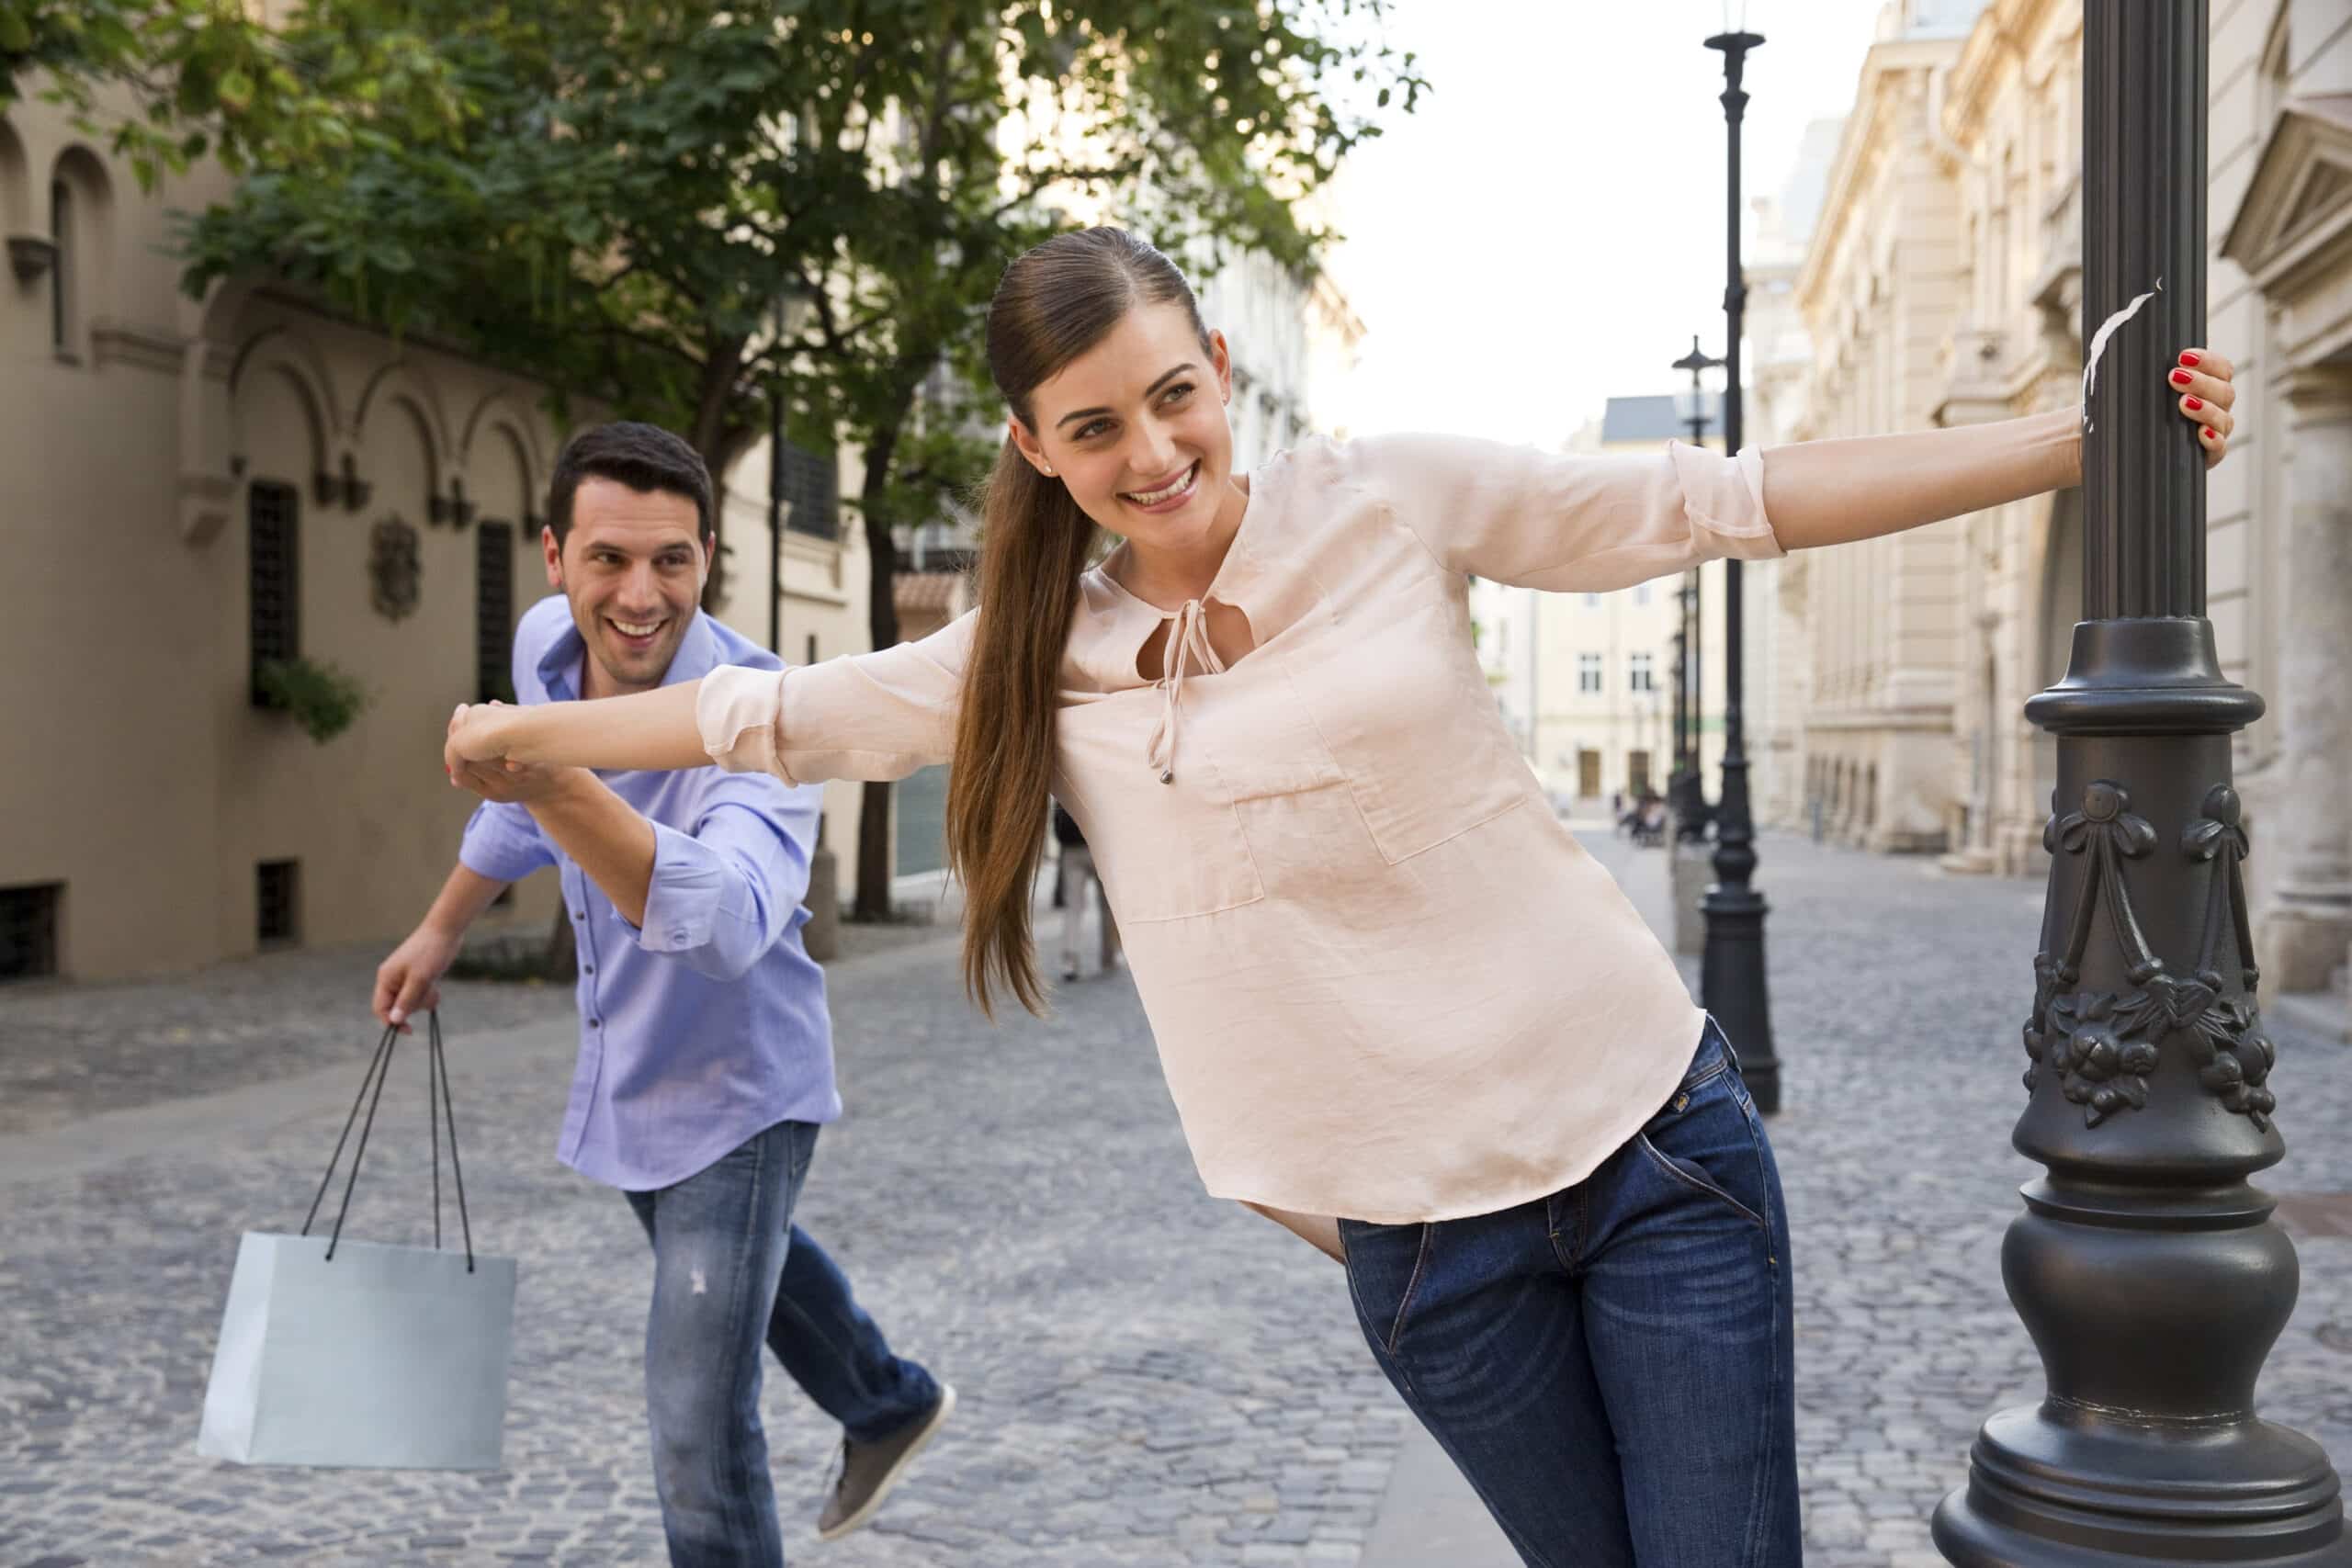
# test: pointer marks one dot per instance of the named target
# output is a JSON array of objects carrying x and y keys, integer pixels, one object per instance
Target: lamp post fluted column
[
  {"x": 1731, "y": 973},
  {"x": 2146, "y": 1266}
]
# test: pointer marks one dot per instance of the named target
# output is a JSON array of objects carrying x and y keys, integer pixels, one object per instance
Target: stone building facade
[
  {"x": 191, "y": 486},
  {"x": 1942, "y": 285}
]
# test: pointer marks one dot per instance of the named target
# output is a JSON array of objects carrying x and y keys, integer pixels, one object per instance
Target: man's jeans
[
  {"x": 730, "y": 1270},
  {"x": 1611, "y": 1366}
]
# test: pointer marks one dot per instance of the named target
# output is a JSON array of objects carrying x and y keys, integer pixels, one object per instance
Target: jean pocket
[
  {"x": 1385, "y": 1266},
  {"x": 1705, "y": 1140}
]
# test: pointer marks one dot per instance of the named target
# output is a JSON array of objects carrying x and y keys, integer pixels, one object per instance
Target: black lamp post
[
  {"x": 2145, "y": 1266},
  {"x": 1675, "y": 781},
  {"x": 1731, "y": 971},
  {"x": 1686, "y": 793},
  {"x": 1690, "y": 811}
]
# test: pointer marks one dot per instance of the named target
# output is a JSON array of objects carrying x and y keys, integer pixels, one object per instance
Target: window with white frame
[
  {"x": 1588, "y": 673},
  {"x": 1640, "y": 676}
]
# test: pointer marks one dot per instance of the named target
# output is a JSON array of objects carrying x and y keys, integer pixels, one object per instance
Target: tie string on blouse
[{"x": 1188, "y": 640}]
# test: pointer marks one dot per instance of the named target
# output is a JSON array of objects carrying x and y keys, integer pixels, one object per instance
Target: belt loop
[{"x": 1729, "y": 1050}]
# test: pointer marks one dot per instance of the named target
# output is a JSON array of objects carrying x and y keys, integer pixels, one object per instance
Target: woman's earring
[{"x": 1049, "y": 470}]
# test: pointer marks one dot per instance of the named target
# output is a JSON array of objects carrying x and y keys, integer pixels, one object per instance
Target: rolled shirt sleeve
[
  {"x": 874, "y": 716},
  {"x": 504, "y": 843},
  {"x": 727, "y": 892},
  {"x": 1572, "y": 521}
]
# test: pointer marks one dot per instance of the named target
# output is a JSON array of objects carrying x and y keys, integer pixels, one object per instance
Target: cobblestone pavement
[
  {"x": 75, "y": 1051},
  {"x": 1149, "y": 1376}
]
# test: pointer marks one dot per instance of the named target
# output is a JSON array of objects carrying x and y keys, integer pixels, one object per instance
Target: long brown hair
[{"x": 1052, "y": 304}]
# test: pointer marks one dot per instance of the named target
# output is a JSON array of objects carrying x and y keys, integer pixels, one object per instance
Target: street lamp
[
  {"x": 1676, "y": 782},
  {"x": 1686, "y": 794},
  {"x": 1731, "y": 971},
  {"x": 2146, "y": 1268},
  {"x": 1690, "y": 812}
]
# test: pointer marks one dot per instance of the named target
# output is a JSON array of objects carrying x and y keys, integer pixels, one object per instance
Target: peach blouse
[{"x": 1386, "y": 984}]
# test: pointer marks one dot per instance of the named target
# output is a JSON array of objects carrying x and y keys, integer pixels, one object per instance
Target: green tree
[
  {"x": 166, "y": 82},
  {"x": 637, "y": 195}
]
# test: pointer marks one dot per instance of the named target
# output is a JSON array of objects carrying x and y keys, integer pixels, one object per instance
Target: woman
[{"x": 1400, "y": 1010}]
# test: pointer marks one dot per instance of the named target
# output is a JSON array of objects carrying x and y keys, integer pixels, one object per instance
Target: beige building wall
[
  {"x": 140, "y": 781},
  {"x": 1881, "y": 619},
  {"x": 1779, "y": 373},
  {"x": 2009, "y": 138},
  {"x": 2280, "y": 295}
]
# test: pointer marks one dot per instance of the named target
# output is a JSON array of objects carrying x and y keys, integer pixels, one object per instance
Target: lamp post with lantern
[{"x": 1732, "y": 974}]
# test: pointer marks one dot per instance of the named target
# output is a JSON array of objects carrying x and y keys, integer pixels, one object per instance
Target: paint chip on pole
[{"x": 2099, "y": 346}]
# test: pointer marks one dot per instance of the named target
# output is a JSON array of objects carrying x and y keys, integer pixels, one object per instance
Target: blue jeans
[
  {"x": 732, "y": 1271},
  {"x": 1611, "y": 1366}
]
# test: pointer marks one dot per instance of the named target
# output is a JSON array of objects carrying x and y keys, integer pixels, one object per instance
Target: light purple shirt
[{"x": 707, "y": 1024}]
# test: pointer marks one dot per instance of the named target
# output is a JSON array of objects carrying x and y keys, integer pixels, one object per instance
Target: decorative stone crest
[
  {"x": 2102, "y": 1045},
  {"x": 393, "y": 569}
]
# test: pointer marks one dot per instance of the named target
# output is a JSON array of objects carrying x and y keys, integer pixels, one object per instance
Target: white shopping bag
[{"x": 336, "y": 1352}]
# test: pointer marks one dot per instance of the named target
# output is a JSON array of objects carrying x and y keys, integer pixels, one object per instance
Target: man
[{"x": 706, "y": 1055}]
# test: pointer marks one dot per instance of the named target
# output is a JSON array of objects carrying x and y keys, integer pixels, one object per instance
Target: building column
[{"x": 2305, "y": 928}]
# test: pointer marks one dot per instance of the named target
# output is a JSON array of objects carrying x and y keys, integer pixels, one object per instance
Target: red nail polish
[
  {"x": 2192, "y": 404},
  {"x": 2180, "y": 377},
  {"x": 2187, "y": 357}
]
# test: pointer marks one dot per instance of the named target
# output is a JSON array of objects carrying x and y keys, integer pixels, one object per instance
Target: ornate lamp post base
[{"x": 2145, "y": 1267}]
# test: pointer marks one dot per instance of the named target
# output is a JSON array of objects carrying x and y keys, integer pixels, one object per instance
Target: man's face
[{"x": 632, "y": 569}]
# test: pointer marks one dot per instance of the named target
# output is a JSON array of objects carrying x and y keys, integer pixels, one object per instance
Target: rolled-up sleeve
[
  {"x": 503, "y": 843},
  {"x": 728, "y": 890},
  {"x": 1572, "y": 521},
  {"x": 874, "y": 716}
]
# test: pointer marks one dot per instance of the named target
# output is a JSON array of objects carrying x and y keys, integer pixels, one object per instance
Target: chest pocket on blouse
[
  {"x": 1165, "y": 852},
  {"x": 1409, "y": 717}
]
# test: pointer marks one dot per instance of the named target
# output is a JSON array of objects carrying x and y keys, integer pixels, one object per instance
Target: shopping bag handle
[{"x": 437, "y": 1109}]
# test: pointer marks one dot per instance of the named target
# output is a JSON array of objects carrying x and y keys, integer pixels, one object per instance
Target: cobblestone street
[{"x": 1148, "y": 1376}]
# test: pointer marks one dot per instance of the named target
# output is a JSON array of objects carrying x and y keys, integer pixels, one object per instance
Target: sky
[{"x": 1546, "y": 231}]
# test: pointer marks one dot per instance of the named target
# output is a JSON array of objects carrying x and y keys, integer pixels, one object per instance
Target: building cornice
[
  {"x": 1882, "y": 68},
  {"x": 2291, "y": 228},
  {"x": 2000, "y": 37},
  {"x": 126, "y": 342},
  {"x": 1935, "y": 718}
]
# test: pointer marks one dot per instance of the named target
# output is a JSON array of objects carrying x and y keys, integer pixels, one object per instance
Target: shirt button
[
  {"x": 595, "y": 1024},
  {"x": 588, "y": 969},
  {"x": 579, "y": 914}
]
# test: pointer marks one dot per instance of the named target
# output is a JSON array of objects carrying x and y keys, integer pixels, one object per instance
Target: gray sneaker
[{"x": 868, "y": 1471}]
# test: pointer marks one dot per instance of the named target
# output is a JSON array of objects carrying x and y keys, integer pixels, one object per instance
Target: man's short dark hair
[{"x": 645, "y": 458}]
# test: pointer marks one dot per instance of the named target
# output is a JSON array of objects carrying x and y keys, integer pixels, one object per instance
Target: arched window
[
  {"x": 80, "y": 217},
  {"x": 493, "y": 612},
  {"x": 60, "y": 268}
]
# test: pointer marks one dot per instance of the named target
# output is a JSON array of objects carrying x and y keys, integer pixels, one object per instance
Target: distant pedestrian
[
  {"x": 1078, "y": 885},
  {"x": 706, "y": 1051},
  {"x": 1387, "y": 986}
]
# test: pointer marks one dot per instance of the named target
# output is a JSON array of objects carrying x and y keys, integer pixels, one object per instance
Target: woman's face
[{"x": 1136, "y": 427}]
